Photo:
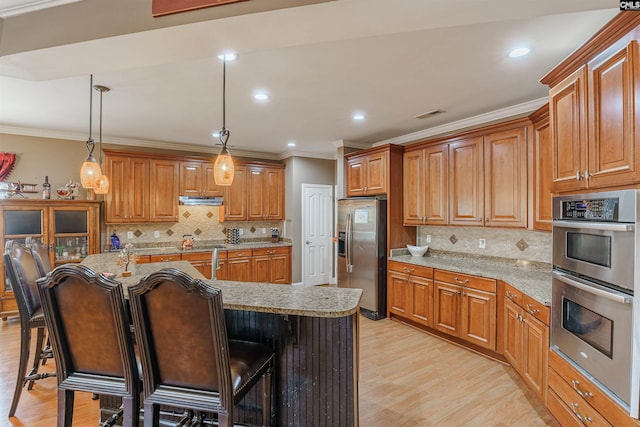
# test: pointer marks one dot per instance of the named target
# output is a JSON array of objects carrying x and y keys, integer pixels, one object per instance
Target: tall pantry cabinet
[{"x": 70, "y": 228}]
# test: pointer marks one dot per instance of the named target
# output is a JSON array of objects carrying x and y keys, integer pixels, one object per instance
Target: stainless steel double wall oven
[{"x": 595, "y": 269}]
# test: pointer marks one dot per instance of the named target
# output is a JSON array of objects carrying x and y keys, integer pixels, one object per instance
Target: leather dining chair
[
  {"x": 41, "y": 255},
  {"x": 187, "y": 359},
  {"x": 22, "y": 273},
  {"x": 91, "y": 338}
]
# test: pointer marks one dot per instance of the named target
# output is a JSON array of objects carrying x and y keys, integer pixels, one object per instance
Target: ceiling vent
[{"x": 429, "y": 114}]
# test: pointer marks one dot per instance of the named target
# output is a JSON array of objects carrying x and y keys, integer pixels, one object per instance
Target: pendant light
[
  {"x": 102, "y": 186},
  {"x": 90, "y": 171},
  {"x": 223, "y": 169}
]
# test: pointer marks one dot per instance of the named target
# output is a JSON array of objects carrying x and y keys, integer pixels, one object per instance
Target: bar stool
[
  {"x": 90, "y": 333},
  {"x": 187, "y": 359},
  {"x": 23, "y": 272}
]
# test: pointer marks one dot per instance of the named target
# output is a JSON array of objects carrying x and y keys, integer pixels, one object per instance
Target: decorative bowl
[{"x": 417, "y": 250}]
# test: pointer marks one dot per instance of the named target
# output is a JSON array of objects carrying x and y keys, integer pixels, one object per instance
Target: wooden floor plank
[{"x": 407, "y": 378}]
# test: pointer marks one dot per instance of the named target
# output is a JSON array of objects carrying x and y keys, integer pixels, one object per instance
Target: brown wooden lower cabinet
[
  {"x": 269, "y": 265},
  {"x": 465, "y": 307},
  {"x": 571, "y": 393},
  {"x": 526, "y": 339},
  {"x": 410, "y": 292}
]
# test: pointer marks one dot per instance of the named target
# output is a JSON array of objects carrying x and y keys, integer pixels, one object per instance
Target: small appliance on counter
[
  {"x": 275, "y": 235},
  {"x": 115, "y": 241},
  {"x": 187, "y": 242}
]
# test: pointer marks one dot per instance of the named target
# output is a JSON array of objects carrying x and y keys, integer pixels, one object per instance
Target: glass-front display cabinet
[{"x": 70, "y": 229}]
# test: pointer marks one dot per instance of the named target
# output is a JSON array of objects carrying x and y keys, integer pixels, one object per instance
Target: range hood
[{"x": 199, "y": 201}]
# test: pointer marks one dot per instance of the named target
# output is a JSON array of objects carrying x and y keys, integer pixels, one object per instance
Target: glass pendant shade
[
  {"x": 102, "y": 186},
  {"x": 90, "y": 172},
  {"x": 223, "y": 169}
]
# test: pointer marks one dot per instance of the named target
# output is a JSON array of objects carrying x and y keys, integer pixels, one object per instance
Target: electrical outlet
[
  {"x": 264, "y": 231},
  {"x": 129, "y": 234},
  {"x": 428, "y": 238},
  {"x": 482, "y": 243},
  {"x": 156, "y": 234},
  {"x": 240, "y": 231}
]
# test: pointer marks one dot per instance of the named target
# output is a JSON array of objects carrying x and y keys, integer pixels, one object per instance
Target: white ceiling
[{"x": 392, "y": 60}]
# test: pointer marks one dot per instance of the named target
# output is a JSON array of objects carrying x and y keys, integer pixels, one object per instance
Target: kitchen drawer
[
  {"x": 574, "y": 402},
  {"x": 513, "y": 294},
  {"x": 467, "y": 280},
  {"x": 561, "y": 412},
  {"x": 165, "y": 258},
  {"x": 610, "y": 410},
  {"x": 415, "y": 270},
  {"x": 536, "y": 309},
  {"x": 197, "y": 256},
  {"x": 239, "y": 253},
  {"x": 270, "y": 251},
  {"x": 143, "y": 259}
]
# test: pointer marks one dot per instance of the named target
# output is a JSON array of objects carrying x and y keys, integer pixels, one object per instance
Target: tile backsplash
[
  {"x": 499, "y": 242},
  {"x": 202, "y": 222}
]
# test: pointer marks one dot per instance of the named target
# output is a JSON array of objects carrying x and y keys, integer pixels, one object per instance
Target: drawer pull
[
  {"x": 511, "y": 296},
  {"x": 531, "y": 310},
  {"x": 580, "y": 417},
  {"x": 458, "y": 280},
  {"x": 583, "y": 394}
]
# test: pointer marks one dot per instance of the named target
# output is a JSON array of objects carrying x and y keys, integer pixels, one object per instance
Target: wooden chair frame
[
  {"x": 98, "y": 381},
  {"x": 156, "y": 393}
]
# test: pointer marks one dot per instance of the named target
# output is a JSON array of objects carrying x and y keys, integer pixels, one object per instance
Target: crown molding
[
  {"x": 351, "y": 144},
  {"x": 295, "y": 153},
  {"x": 469, "y": 122}
]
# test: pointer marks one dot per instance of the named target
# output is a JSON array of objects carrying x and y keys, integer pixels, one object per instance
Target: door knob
[{"x": 308, "y": 242}]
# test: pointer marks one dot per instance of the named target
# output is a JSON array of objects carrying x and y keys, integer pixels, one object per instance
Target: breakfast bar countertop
[
  {"x": 534, "y": 279},
  {"x": 309, "y": 301},
  {"x": 207, "y": 247}
]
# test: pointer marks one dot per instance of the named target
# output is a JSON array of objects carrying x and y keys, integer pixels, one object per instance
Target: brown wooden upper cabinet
[
  {"x": 542, "y": 169},
  {"x": 367, "y": 174},
  {"x": 128, "y": 198},
  {"x": 142, "y": 188},
  {"x": 196, "y": 179},
  {"x": 594, "y": 124},
  {"x": 474, "y": 181},
  {"x": 257, "y": 194}
]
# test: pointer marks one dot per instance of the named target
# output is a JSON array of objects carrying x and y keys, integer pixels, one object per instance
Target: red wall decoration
[
  {"x": 166, "y": 7},
  {"x": 7, "y": 161}
]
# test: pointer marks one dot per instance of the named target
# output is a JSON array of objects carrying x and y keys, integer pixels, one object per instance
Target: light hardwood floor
[{"x": 407, "y": 378}]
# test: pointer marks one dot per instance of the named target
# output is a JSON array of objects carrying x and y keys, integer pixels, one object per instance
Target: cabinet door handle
[
  {"x": 531, "y": 310},
  {"x": 579, "y": 176},
  {"x": 576, "y": 387},
  {"x": 458, "y": 280}
]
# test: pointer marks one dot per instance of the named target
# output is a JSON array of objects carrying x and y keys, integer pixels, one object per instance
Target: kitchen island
[{"x": 313, "y": 330}]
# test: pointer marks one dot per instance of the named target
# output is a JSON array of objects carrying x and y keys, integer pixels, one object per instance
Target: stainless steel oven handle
[
  {"x": 604, "y": 226},
  {"x": 612, "y": 295}
]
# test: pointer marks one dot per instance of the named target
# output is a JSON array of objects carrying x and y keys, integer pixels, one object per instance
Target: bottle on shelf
[{"x": 46, "y": 188}]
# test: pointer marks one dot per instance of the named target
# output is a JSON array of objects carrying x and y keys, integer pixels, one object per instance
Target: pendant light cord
[
  {"x": 224, "y": 133},
  {"x": 90, "y": 143},
  {"x": 100, "y": 161}
]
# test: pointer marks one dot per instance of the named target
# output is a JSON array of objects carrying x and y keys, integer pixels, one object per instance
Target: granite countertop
[
  {"x": 164, "y": 250},
  {"x": 308, "y": 301},
  {"x": 534, "y": 279}
]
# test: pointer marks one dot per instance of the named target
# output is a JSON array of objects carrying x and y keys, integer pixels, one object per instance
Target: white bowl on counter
[{"x": 417, "y": 250}]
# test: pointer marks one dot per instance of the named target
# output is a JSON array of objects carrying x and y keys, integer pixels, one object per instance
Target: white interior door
[{"x": 317, "y": 227}]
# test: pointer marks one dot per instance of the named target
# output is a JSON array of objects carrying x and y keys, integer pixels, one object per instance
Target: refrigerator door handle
[{"x": 348, "y": 239}]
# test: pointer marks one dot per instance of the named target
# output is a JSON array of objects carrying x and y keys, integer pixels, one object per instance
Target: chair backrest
[
  {"x": 22, "y": 271},
  {"x": 181, "y": 334},
  {"x": 89, "y": 328},
  {"x": 41, "y": 255}
]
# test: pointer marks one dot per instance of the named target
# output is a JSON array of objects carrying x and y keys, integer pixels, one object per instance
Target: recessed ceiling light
[
  {"x": 261, "y": 96},
  {"x": 228, "y": 56},
  {"x": 291, "y": 144},
  {"x": 359, "y": 116},
  {"x": 518, "y": 52}
]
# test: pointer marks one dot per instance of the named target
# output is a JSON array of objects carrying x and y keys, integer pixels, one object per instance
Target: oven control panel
[{"x": 593, "y": 209}]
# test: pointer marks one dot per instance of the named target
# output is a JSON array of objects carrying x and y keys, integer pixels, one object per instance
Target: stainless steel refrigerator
[{"x": 362, "y": 251}]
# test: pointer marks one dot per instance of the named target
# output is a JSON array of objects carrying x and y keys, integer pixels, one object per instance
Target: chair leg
[
  {"x": 65, "y": 407},
  {"x": 130, "y": 415},
  {"x": 25, "y": 341},
  {"x": 266, "y": 399},
  {"x": 225, "y": 419},
  {"x": 151, "y": 415},
  {"x": 37, "y": 356}
]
